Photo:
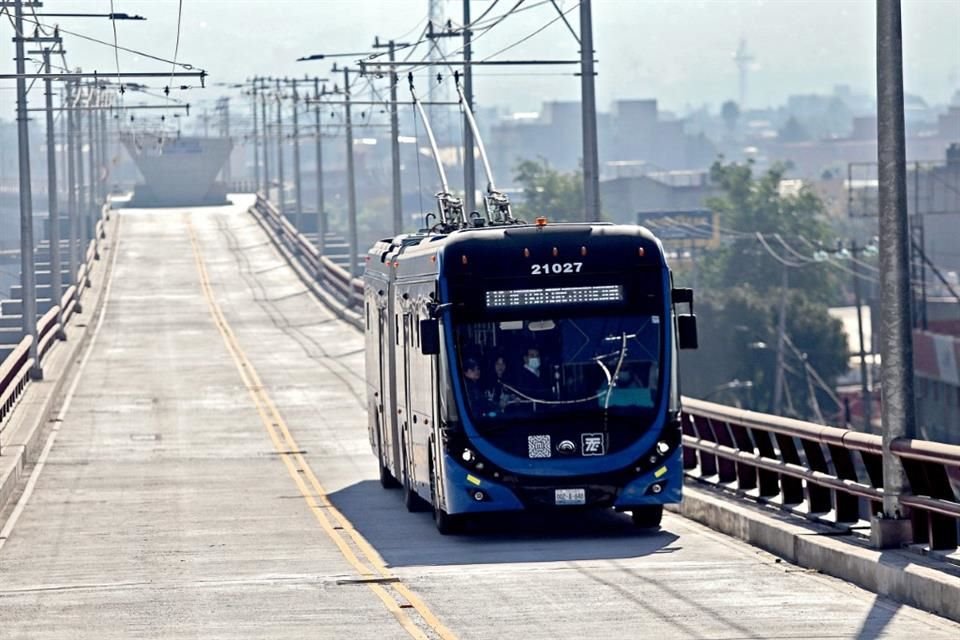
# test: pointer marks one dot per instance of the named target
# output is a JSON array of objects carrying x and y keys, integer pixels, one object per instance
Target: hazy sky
[{"x": 678, "y": 51}]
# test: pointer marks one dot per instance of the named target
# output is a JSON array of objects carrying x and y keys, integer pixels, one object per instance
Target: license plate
[{"x": 570, "y": 496}]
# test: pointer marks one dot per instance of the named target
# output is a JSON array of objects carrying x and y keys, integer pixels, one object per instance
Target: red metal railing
[
  {"x": 822, "y": 472},
  {"x": 15, "y": 368}
]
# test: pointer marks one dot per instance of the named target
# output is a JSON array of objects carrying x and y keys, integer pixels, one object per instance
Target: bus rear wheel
[
  {"x": 647, "y": 516},
  {"x": 413, "y": 502},
  {"x": 387, "y": 481}
]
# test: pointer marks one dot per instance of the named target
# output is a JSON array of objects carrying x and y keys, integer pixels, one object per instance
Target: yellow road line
[{"x": 369, "y": 563}]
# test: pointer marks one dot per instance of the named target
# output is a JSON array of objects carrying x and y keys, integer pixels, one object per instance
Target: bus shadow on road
[{"x": 410, "y": 539}]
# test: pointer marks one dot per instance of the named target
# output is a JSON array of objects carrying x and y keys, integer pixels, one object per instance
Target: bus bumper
[
  {"x": 669, "y": 477},
  {"x": 463, "y": 488},
  {"x": 467, "y": 492}
]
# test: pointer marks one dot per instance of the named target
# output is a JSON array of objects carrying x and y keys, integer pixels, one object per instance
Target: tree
[
  {"x": 739, "y": 305},
  {"x": 750, "y": 205},
  {"x": 548, "y": 192}
]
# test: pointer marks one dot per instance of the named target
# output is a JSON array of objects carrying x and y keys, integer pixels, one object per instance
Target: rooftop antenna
[
  {"x": 495, "y": 203},
  {"x": 449, "y": 206}
]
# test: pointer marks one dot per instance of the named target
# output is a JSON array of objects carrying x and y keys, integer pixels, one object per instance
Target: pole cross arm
[{"x": 106, "y": 76}]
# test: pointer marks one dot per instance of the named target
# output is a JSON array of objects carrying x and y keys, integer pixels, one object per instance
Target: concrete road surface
[{"x": 212, "y": 479}]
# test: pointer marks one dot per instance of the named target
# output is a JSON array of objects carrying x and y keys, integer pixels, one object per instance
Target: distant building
[
  {"x": 633, "y": 131},
  {"x": 623, "y": 198}
]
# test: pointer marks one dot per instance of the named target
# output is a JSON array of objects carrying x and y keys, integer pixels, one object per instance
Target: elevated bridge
[{"x": 195, "y": 463}]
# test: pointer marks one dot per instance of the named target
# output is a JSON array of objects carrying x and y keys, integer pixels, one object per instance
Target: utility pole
[
  {"x": 92, "y": 160},
  {"x": 266, "y": 139},
  {"x": 256, "y": 137},
  {"x": 53, "y": 206},
  {"x": 280, "y": 186},
  {"x": 74, "y": 240},
  {"x": 27, "y": 265},
  {"x": 225, "y": 115},
  {"x": 104, "y": 159},
  {"x": 296, "y": 157},
  {"x": 351, "y": 184},
  {"x": 588, "y": 110},
  {"x": 81, "y": 182},
  {"x": 892, "y": 528},
  {"x": 394, "y": 140},
  {"x": 469, "y": 170},
  {"x": 321, "y": 214},
  {"x": 779, "y": 378}
]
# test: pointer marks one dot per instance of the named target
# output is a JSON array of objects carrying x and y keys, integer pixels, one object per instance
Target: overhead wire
[{"x": 530, "y": 35}]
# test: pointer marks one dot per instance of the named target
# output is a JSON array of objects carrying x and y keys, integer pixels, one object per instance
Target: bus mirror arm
[{"x": 435, "y": 309}]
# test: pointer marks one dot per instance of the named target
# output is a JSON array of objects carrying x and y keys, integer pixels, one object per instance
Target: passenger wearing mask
[{"x": 531, "y": 382}]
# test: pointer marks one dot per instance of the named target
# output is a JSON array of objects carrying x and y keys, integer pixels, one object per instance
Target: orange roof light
[
  {"x": 541, "y": 221},
  {"x": 433, "y": 258},
  {"x": 640, "y": 251},
  {"x": 556, "y": 252},
  {"x": 463, "y": 259},
  {"x": 583, "y": 251},
  {"x": 526, "y": 253}
]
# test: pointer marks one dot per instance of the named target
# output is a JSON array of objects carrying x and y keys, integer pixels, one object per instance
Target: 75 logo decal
[{"x": 592, "y": 444}]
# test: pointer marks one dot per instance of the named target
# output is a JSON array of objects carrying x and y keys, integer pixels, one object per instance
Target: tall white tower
[{"x": 742, "y": 58}]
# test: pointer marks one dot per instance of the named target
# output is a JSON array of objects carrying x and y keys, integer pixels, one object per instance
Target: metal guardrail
[
  {"x": 325, "y": 270},
  {"x": 822, "y": 472},
  {"x": 15, "y": 368}
]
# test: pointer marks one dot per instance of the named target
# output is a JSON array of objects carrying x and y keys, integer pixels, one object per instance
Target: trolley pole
[
  {"x": 296, "y": 157},
  {"x": 28, "y": 274},
  {"x": 351, "y": 184},
  {"x": 893, "y": 528},
  {"x": 53, "y": 207},
  {"x": 588, "y": 109},
  {"x": 321, "y": 214},
  {"x": 469, "y": 169}
]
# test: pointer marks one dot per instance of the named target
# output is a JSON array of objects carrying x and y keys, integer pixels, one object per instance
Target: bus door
[
  {"x": 388, "y": 401},
  {"x": 405, "y": 346}
]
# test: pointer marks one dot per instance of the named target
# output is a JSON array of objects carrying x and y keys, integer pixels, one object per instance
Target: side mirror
[
  {"x": 430, "y": 337},
  {"x": 687, "y": 331}
]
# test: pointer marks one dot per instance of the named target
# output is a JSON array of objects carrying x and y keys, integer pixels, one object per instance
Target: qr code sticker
[{"x": 538, "y": 446}]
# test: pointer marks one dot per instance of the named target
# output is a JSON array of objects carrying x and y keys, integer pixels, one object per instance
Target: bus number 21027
[{"x": 555, "y": 267}]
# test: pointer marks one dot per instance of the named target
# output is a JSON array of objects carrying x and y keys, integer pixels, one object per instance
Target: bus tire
[
  {"x": 647, "y": 516},
  {"x": 447, "y": 524},
  {"x": 411, "y": 500},
  {"x": 387, "y": 481}
]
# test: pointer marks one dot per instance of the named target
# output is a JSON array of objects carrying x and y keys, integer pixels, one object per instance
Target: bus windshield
[{"x": 555, "y": 367}]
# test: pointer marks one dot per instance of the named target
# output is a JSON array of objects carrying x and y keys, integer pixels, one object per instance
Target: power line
[
  {"x": 527, "y": 37},
  {"x": 182, "y": 65}
]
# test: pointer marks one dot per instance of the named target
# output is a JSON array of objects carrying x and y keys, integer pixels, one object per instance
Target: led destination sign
[{"x": 555, "y": 295}]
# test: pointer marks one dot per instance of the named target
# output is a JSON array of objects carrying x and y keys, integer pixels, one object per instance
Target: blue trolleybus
[{"x": 526, "y": 366}]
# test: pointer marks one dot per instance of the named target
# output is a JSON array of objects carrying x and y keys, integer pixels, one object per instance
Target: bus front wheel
[
  {"x": 446, "y": 524},
  {"x": 647, "y": 516}
]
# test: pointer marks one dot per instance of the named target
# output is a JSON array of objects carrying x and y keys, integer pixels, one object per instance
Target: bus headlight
[
  {"x": 467, "y": 456},
  {"x": 662, "y": 448}
]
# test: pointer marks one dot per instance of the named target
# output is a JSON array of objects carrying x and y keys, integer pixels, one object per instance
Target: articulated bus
[{"x": 526, "y": 366}]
